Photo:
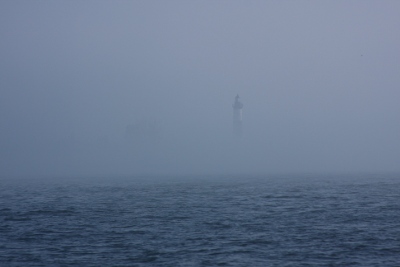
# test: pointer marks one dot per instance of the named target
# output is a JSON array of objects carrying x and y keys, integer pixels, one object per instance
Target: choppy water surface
[{"x": 201, "y": 221}]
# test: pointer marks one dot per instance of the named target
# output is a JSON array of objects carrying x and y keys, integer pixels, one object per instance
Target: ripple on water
[{"x": 255, "y": 222}]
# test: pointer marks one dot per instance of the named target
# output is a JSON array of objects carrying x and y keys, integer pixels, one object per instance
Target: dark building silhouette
[{"x": 237, "y": 116}]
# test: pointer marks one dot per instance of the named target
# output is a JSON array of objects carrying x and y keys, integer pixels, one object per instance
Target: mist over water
[{"x": 126, "y": 88}]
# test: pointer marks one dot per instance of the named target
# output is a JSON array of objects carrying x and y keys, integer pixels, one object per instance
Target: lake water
[{"x": 297, "y": 220}]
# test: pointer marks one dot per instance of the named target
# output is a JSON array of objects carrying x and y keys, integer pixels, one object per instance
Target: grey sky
[{"x": 320, "y": 83}]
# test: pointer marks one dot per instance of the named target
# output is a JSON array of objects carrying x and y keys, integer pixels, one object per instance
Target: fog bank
[{"x": 147, "y": 87}]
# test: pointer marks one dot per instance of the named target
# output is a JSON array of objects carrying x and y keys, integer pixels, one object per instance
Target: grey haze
[{"x": 320, "y": 83}]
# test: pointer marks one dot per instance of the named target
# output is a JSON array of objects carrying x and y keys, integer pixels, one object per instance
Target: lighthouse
[{"x": 237, "y": 116}]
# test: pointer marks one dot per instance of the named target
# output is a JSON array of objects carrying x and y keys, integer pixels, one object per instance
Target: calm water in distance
[{"x": 326, "y": 220}]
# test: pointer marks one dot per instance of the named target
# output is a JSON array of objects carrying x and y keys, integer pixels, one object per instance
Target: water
[{"x": 201, "y": 221}]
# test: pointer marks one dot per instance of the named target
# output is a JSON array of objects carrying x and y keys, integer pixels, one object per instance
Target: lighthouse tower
[{"x": 237, "y": 116}]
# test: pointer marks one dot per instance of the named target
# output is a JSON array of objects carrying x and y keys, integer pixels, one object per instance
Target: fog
[{"x": 147, "y": 87}]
